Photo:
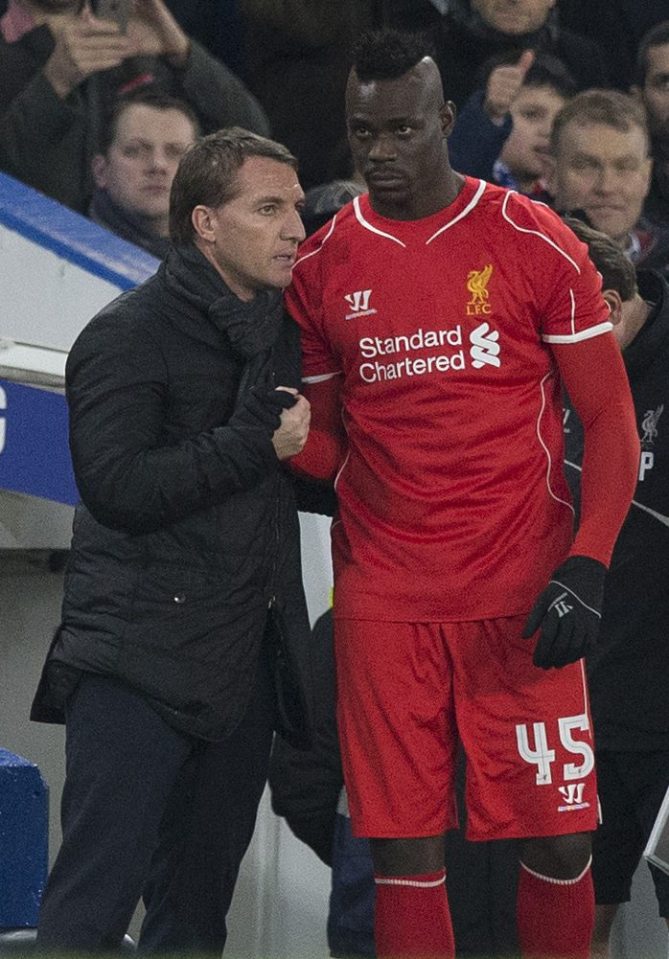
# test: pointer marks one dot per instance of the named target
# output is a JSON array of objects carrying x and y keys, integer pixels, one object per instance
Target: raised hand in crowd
[
  {"x": 84, "y": 45},
  {"x": 503, "y": 85},
  {"x": 156, "y": 33}
]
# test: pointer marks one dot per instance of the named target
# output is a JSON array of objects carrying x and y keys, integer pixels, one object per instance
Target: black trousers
[{"x": 149, "y": 812}]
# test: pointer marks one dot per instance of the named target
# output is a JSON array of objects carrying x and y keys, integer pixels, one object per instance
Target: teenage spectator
[
  {"x": 474, "y": 31},
  {"x": 140, "y": 150},
  {"x": 651, "y": 83},
  {"x": 503, "y": 132},
  {"x": 184, "y": 639},
  {"x": 627, "y": 672},
  {"x": 61, "y": 70},
  {"x": 439, "y": 317},
  {"x": 600, "y": 165}
]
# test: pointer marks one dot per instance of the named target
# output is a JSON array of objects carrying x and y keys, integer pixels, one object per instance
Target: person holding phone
[{"x": 63, "y": 63}]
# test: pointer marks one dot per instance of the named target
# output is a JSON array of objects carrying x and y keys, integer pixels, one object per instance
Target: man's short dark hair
[
  {"x": 617, "y": 270},
  {"x": 657, "y": 36},
  {"x": 146, "y": 97},
  {"x": 621, "y": 111},
  {"x": 388, "y": 54},
  {"x": 207, "y": 173}
]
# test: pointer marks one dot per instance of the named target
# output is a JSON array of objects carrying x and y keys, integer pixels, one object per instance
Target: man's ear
[
  {"x": 203, "y": 219},
  {"x": 99, "y": 171},
  {"x": 615, "y": 304},
  {"x": 447, "y": 115}
]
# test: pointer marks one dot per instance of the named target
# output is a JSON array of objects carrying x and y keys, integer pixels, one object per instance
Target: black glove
[
  {"x": 568, "y": 613},
  {"x": 262, "y": 407}
]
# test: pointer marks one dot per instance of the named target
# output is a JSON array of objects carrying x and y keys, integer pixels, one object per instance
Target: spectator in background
[
  {"x": 651, "y": 84},
  {"x": 61, "y": 70},
  {"x": 503, "y": 132},
  {"x": 139, "y": 154},
  {"x": 627, "y": 672},
  {"x": 473, "y": 31},
  {"x": 600, "y": 165}
]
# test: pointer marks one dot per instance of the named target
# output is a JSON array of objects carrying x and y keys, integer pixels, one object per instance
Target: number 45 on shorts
[{"x": 538, "y": 751}]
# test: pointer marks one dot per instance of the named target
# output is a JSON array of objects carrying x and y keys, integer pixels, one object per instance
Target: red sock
[
  {"x": 412, "y": 919},
  {"x": 555, "y": 916}
]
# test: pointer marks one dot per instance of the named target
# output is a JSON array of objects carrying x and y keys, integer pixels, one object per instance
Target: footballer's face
[{"x": 397, "y": 130}]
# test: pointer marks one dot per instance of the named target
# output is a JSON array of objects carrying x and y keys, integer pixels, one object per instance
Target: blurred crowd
[{"x": 564, "y": 101}]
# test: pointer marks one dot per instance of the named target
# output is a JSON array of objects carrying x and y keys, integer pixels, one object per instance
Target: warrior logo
[
  {"x": 477, "y": 285},
  {"x": 485, "y": 348},
  {"x": 359, "y": 303},
  {"x": 561, "y": 606},
  {"x": 649, "y": 425}
]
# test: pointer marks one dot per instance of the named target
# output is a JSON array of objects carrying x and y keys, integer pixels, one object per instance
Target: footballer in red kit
[{"x": 441, "y": 318}]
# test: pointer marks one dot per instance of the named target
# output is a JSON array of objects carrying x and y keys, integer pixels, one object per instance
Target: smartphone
[{"x": 116, "y": 10}]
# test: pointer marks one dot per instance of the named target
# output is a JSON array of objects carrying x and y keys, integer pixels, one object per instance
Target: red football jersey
[{"x": 453, "y": 503}]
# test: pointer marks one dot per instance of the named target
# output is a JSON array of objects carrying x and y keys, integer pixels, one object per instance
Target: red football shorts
[{"x": 406, "y": 691}]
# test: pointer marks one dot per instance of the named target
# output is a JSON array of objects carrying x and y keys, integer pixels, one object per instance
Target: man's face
[
  {"x": 604, "y": 172},
  {"x": 527, "y": 146},
  {"x": 252, "y": 240},
  {"x": 655, "y": 91},
  {"x": 139, "y": 167},
  {"x": 514, "y": 17},
  {"x": 396, "y": 131}
]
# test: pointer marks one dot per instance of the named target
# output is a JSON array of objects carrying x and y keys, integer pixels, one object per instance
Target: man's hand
[
  {"x": 84, "y": 46},
  {"x": 568, "y": 612},
  {"x": 291, "y": 435},
  {"x": 154, "y": 32},
  {"x": 503, "y": 85}
]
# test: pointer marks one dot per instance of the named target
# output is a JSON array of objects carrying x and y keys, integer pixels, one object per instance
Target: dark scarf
[
  {"x": 106, "y": 213},
  {"x": 251, "y": 328}
]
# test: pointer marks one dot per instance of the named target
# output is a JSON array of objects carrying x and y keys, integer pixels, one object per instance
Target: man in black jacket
[
  {"x": 184, "y": 637},
  {"x": 627, "y": 672}
]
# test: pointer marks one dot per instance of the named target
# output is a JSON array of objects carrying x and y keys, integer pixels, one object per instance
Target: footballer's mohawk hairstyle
[{"x": 388, "y": 54}]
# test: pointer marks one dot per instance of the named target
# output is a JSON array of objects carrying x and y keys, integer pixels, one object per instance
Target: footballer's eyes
[{"x": 360, "y": 131}]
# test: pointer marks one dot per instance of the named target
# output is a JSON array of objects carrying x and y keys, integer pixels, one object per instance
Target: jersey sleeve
[
  {"x": 567, "y": 287},
  {"x": 596, "y": 381},
  {"x": 304, "y": 300}
]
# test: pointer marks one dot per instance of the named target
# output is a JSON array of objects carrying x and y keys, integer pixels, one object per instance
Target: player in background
[{"x": 441, "y": 317}]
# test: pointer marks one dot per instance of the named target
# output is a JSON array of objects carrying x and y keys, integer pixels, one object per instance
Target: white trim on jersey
[
  {"x": 368, "y": 226},
  {"x": 549, "y": 461},
  {"x": 542, "y": 236},
  {"x": 605, "y": 327},
  {"x": 470, "y": 206},
  {"x": 321, "y": 377},
  {"x": 318, "y": 248}
]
